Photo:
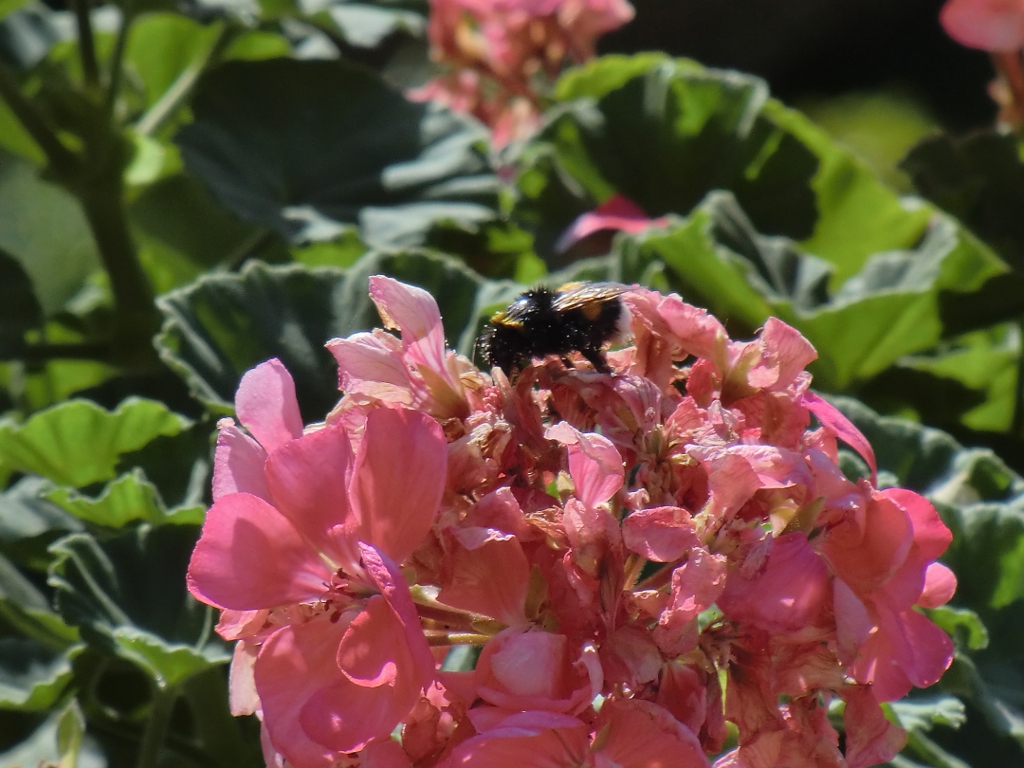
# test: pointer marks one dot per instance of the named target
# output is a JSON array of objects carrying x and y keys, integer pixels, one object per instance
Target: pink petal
[
  {"x": 294, "y": 664},
  {"x": 384, "y": 753},
  {"x": 991, "y": 25},
  {"x": 242, "y": 696},
  {"x": 853, "y": 623},
  {"x": 939, "y": 586},
  {"x": 265, "y": 404},
  {"x": 414, "y": 312},
  {"x": 594, "y": 463},
  {"x": 489, "y": 576},
  {"x": 418, "y": 661},
  {"x": 784, "y": 354},
  {"x": 250, "y": 556},
  {"x": 870, "y": 738},
  {"x": 630, "y": 656},
  {"x": 787, "y": 595},
  {"x": 238, "y": 464},
  {"x": 831, "y": 417},
  {"x": 617, "y": 213},
  {"x": 643, "y": 735},
  {"x": 522, "y": 741},
  {"x": 308, "y": 479},
  {"x": 379, "y": 687},
  {"x": 865, "y": 551},
  {"x": 682, "y": 693},
  {"x": 662, "y": 534},
  {"x": 533, "y": 670},
  {"x": 399, "y": 476},
  {"x": 907, "y": 650},
  {"x": 372, "y": 366}
]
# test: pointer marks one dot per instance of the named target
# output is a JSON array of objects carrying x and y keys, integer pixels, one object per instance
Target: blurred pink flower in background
[
  {"x": 641, "y": 557},
  {"x": 503, "y": 54}
]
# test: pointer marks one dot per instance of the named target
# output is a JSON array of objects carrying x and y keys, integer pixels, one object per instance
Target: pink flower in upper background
[
  {"x": 514, "y": 49},
  {"x": 991, "y": 25}
]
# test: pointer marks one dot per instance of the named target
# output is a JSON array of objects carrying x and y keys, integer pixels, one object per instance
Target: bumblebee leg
[{"x": 596, "y": 359}]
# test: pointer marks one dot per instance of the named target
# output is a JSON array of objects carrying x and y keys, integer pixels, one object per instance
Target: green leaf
[
  {"x": 161, "y": 46},
  {"x": 366, "y": 25},
  {"x": 223, "y": 325},
  {"x": 860, "y": 327},
  {"x": 32, "y": 677},
  {"x": 305, "y": 146},
  {"x": 128, "y": 594},
  {"x": 54, "y": 743},
  {"x": 78, "y": 442},
  {"x": 43, "y": 227},
  {"x": 962, "y": 624},
  {"x": 979, "y": 179},
  {"x": 922, "y": 713},
  {"x": 128, "y": 498}
]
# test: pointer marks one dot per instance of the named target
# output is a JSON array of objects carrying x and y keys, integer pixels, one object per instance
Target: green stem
[
  {"x": 117, "y": 58},
  {"x": 180, "y": 89},
  {"x": 156, "y": 727},
  {"x": 103, "y": 203},
  {"x": 86, "y": 44},
  {"x": 59, "y": 156}
]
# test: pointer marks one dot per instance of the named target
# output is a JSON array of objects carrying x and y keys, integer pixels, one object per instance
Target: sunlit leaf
[{"x": 78, "y": 442}]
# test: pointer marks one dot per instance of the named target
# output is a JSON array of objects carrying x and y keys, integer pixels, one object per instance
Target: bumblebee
[{"x": 580, "y": 317}]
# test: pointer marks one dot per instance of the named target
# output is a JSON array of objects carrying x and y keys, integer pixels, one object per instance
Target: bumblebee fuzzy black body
[{"x": 580, "y": 317}]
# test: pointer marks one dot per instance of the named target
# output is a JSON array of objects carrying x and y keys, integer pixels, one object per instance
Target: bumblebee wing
[{"x": 582, "y": 295}]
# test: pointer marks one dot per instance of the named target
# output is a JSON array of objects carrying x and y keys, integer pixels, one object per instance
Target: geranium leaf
[
  {"x": 305, "y": 146},
  {"x": 32, "y": 676},
  {"x": 78, "y": 442},
  {"x": 222, "y": 325},
  {"x": 128, "y": 595}
]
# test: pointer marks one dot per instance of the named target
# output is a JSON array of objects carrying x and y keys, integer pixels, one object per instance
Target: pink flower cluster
[
  {"x": 501, "y": 53},
  {"x": 641, "y": 558}
]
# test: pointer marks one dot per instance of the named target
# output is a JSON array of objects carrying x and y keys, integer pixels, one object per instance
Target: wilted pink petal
[
  {"x": 662, "y": 534},
  {"x": 788, "y": 594},
  {"x": 870, "y": 738},
  {"x": 682, "y": 692},
  {"x": 397, "y": 481},
  {"x": 242, "y": 696},
  {"x": 784, "y": 354},
  {"x": 991, "y": 25},
  {"x": 238, "y": 464},
  {"x": 630, "y": 656},
  {"x": 250, "y": 556},
  {"x": 372, "y": 366},
  {"x": 832, "y": 418},
  {"x": 617, "y": 213},
  {"x": 489, "y": 575},
  {"x": 594, "y": 463},
  {"x": 643, "y": 735},
  {"x": 265, "y": 404}
]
